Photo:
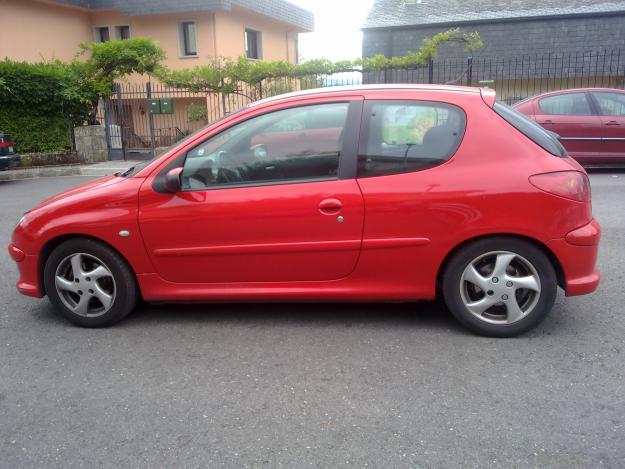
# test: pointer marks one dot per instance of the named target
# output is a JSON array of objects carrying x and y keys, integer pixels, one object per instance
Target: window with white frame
[
  {"x": 253, "y": 44},
  {"x": 188, "y": 38},
  {"x": 122, "y": 32},
  {"x": 102, "y": 34}
]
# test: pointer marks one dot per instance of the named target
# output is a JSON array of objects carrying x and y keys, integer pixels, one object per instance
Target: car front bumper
[
  {"x": 577, "y": 253},
  {"x": 9, "y": 162},
  {"x": 29, "y": 283}
]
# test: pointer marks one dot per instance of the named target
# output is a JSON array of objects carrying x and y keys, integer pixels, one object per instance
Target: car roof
[{"x": 354, "y": 89}]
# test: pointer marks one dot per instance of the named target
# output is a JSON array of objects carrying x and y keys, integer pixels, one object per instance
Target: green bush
[
  {"x": 38, "y": 102},
  {"x": 34, "y": 133}
]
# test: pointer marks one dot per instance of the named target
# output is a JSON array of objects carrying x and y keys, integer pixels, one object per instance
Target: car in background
[
  {"x": 8, "y": 158},
  {"x": 590, "y": 122},
  {"x": 371, "y": 193}
]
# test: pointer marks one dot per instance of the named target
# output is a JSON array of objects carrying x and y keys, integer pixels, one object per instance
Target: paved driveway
[{"x": 313, "y": 385}]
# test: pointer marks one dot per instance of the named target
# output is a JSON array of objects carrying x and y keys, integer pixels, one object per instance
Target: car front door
[
  {"x": 256, "y": 209},
  {"x": 611, "y": 107},
  {"x": 571, "y": 116}
]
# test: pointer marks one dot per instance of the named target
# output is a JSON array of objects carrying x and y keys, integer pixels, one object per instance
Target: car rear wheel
[
  {"x": 500, "y": 287},
  {"x": 89, "y": 283}
]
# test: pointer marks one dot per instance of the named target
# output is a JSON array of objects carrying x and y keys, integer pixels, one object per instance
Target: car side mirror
[{"x": 173, "y": 182}]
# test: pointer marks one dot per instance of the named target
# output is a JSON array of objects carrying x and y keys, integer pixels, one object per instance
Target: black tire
[
  {"x": 124, "y": 283},
  {"x": 542, "y": 301}
]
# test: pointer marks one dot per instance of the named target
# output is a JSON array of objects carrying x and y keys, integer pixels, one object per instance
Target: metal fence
[{"x": 134, "y": 130}]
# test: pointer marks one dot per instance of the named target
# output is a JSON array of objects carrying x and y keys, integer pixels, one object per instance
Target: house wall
[
  {"x": 36, "y": 31},
  {"x": 164, "y": 29},
  {"x": 32, "y": 31},
  {"x": 278, "y": 39},
  {"x": 509, "y": 38}
]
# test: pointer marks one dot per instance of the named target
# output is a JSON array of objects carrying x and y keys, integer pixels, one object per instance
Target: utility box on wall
[
  {"x": 167, "y": 106},
  {"x": 154, "y": 105},
  {"x": 161, "y": 106}
]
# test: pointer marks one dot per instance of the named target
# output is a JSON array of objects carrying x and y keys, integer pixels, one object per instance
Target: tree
[
  {"x": 113, "y": 60},
  {"x": 226, "y": 76}
]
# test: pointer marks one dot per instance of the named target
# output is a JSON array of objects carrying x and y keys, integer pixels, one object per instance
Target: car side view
[
  {"x": 370, "y": 193},
  {"x": 589, "y": 121}
]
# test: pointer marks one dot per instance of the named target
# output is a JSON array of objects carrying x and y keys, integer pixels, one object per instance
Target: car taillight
[{"x": 569, "y": 184}]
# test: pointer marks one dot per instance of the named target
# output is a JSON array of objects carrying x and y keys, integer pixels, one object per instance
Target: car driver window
[{"x": 292, "y": 144}]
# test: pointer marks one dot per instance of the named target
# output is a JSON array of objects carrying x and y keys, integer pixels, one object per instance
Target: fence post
[
  {"x": 148, "y": 93},
  {"x": 223, "y": 100},
  {"x": 120, "y": 115},
  {"x": 469, "y": 71},
  {"x": 430, "y": 71},
  {"x": 260, "y": 89},
  {"x": 70, "y": 127},
  {"x": 106, "y": 104}
]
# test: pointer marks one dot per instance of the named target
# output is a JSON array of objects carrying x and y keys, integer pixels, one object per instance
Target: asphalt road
[{"x": 313, "y": 385}]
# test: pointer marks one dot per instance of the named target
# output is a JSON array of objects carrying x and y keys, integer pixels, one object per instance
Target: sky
[{"x": 337, "y": 33}]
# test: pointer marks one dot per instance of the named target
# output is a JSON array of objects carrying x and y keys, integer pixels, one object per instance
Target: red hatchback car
[
  {"x": 376, "y": 193},
  {"x": 589, "y": 121}
]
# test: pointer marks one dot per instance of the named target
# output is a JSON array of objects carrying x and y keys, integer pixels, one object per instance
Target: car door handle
[
  {"x": 330, "y": 206},
  {"x": 612, "y": 123},
  {"x": 549, "y": 122}
]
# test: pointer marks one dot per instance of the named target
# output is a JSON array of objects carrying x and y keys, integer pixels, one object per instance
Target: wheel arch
[
  {"x": 540, "y": 245},
  {"x": 53, "y": 243}
]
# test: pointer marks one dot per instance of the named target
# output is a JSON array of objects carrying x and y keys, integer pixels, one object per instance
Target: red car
[
  {"x": 589, "y": 121},
  {"x": 376, "y": 193}
]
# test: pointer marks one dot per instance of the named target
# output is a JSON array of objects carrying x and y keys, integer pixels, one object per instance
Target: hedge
[{"x": 39, "y": 103}]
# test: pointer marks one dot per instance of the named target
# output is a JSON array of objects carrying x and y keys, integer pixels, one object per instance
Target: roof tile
[{"x": 392, "y": 13}]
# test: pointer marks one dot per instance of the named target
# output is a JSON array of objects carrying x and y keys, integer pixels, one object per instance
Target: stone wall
[
  {"x": 561, "y": 36},
  {"x": 91, "y": 143},
  {"x": 28, "y": 160}
]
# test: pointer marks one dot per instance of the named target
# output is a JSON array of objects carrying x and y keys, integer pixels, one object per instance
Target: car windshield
[{"x": 546, "y": 140}]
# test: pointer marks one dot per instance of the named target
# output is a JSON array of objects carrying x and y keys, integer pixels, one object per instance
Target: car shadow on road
[
  {"x": 422, "y": 314},
  {"x": 430, "y": 316}
]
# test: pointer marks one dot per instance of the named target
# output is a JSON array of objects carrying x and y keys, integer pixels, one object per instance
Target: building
[
  {"x": 508, "y": 29},
  {"x": 191, "y": 32},
  {"x": 553, "y": 43}
]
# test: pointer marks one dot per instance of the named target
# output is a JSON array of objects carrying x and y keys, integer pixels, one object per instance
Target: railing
[{"x": 514, "y": 78}]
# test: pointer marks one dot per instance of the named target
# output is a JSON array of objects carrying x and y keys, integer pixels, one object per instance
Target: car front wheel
[
  {"x": 89, "y": 283},
  {"x": 500, "y": 287}
]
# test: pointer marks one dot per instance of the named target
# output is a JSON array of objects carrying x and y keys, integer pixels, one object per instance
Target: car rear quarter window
[
  {"x": 569, "y": 104},
  {"x": 407, "y": 136},
  {"x": 546, "y": 140}
]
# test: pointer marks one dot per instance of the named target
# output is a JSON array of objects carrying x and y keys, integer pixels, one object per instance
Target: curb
[{"x": 62, "y": 170}]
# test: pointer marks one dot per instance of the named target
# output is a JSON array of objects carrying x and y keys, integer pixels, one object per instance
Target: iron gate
[{"x": 136, "y": 126}]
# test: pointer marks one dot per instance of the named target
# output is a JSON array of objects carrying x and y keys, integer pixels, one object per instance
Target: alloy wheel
[
  {"x": 85, "y": 285},
  {"x": 500, "y": 287}
]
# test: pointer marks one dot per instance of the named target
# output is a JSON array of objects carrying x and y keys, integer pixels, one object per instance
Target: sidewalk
[{"x": 97, "y": 169}]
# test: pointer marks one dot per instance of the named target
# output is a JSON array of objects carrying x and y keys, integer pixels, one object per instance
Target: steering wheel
[{"x": 260, "y": 151}]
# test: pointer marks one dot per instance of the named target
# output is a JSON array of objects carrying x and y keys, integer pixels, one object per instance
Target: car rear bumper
[
  {"x": 577, "y": 253},
  {"x": 28, "y": 266},
  {"x": 9, "y": 162}
]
